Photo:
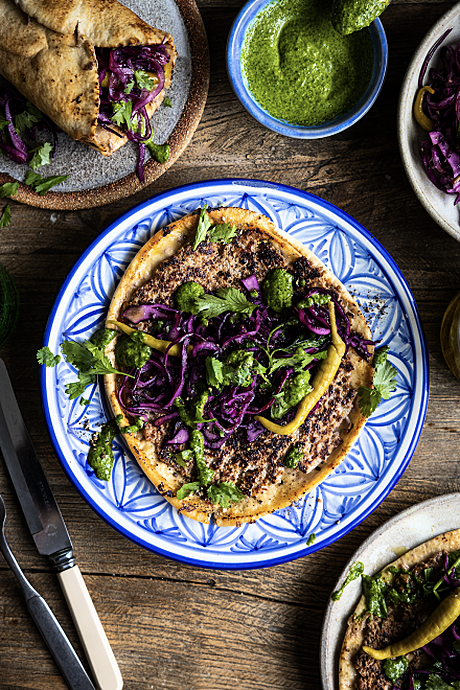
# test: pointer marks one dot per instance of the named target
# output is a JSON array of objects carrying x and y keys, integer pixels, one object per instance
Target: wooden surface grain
[{"x": 175, "y": 626}]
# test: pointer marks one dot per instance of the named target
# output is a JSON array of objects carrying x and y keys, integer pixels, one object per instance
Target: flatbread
[
  {"x": 354, "y": 636},
  {"x": 47, "y": 53},
  {"x": 294, "y": 483}
]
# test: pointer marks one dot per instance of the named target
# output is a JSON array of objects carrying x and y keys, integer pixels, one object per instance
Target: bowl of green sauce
[{"x": 296, "y": 75}]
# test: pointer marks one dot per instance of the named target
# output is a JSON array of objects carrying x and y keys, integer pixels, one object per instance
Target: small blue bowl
[{"x": 239, "y": 83}]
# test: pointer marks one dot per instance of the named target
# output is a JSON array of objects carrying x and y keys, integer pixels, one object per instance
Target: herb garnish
[
  {"x": 225, "y": 299},
  {"x": 9, "y": 189},
  {"x": 223, "y": 232},
  {"x": 204, "y": 223},
  {"x": 384, "y": 382},
  {"x": 87, "y": 357},
  {"x": 5, "y": 218},
  {"x": 41, "y": 155},
  {"x": 42, "y": 185}
]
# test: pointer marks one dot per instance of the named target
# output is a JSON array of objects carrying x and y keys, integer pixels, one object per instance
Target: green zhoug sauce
[{"x": 299, "y": 68}]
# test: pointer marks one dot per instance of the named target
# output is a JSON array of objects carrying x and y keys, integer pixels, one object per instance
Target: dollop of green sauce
[
  {"x": 131, "y": 351},
  {"x": 100, "y": 455},
  {"x": 294, "y": 456},
  {"x": 349, "y": 16},
  {"x": 299, "y": 68},
  {"x": 394, "y": 668},
  {"x": 277, "y": 288},
  {"x": 186, "y": 295}
]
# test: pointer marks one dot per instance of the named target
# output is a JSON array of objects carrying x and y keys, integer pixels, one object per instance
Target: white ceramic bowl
[
  {"x": 439, "y": 205},
  {"x": 240, "y": 86}
]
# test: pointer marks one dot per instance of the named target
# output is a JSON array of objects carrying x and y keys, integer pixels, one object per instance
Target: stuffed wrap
[{"x": 93, "y": 67}]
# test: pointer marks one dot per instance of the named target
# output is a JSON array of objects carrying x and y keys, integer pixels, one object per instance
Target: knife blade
[{"x": 49, "y": 532}]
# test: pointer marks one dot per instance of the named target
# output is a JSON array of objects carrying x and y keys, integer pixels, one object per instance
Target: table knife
[{"x": 50, "y": 534}]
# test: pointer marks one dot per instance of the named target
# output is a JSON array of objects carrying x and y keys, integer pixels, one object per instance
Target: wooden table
[{"x": 174, "y": 626}]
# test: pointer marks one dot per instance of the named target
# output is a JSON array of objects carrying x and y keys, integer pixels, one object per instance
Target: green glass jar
[{"x": 9, "y": 304}]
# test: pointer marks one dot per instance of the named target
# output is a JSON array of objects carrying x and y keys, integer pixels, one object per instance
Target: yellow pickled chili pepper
[
  {"x": 423, "y": 120},
  {"x": 154, "y": 343},
  {"x": 442, "y": 618},
  {"x": 323, "y": 379}
]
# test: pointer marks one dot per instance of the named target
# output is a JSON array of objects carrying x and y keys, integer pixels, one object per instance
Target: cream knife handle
[{"x": 92, "y": 635}]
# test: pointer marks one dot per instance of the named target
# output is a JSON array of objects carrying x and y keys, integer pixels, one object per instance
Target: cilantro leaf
[
  {"x": 384, "y": 383},
  {"x": 214, "y": 375},
  {"x": 41, "y": 155},
  {"x": 5, "y": 218},
  {"x": 46, "y": 357},
  {"x": 144, "y": 80},
  {"x": 3, "y": 123},
  {"x": 27, "y": 119},
  {"x": 42, "y": 185},
  {"x": 222, "y": 233},
  {"x": 122, "y": 112},
  {"x": 129, "y": 87},
  {"x": 89, "y": 360},
  {"x": 159, "y": 152},
  {"x": 311, "y": 539},
  {"x": 9, "y": 189},
  {"x": 299, "y": 360},
  {"x": 167, "y": 102},
  {"x": 77, "y": 388},
  {"x": 204, "y": 223},
  {"x": 226, "y": 299},
  {"x": 187, "y": 489},
  {"x": 224, "y": 493}
]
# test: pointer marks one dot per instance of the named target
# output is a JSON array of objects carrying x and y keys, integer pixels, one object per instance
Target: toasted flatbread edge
[
  {"x": 354, "y": 636},
  {"x": 163, "y": 245}
]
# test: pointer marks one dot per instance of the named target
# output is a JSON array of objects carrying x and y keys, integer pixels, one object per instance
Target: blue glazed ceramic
[
  {"x": 240, "y": 86},
  {"x": 129, "y": 502}
]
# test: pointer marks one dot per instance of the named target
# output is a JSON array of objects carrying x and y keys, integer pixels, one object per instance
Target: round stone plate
[
  {"x": 129, "y": 502},
  {"x": 403, "y": 532},
  {"x": 95, "y": 179}
]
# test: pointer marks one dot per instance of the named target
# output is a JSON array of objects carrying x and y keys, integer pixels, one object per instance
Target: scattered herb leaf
[
  {"x": 5, "y": 218},
  {"x": 384, "y": 383},
  {"x": 9, "y": 189}
]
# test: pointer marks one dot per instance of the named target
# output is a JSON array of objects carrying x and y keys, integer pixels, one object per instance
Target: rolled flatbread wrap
[{"x": 52, "y": 51}]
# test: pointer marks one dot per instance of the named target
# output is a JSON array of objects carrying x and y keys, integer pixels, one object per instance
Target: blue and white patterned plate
[{"x": 129, "y": 502}]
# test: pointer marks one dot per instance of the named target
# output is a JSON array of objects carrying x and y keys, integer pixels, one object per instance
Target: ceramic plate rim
[
  {"x": 133, "y": 215},
  {"x": 325, "y": 661},
  {"x": 234, "y": 42}
]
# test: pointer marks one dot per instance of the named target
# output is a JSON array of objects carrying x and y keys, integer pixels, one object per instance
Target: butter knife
[{"x": 50, "y": 534}]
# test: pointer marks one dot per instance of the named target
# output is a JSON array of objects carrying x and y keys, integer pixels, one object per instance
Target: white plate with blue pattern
[{"x": 129, "y": 502}]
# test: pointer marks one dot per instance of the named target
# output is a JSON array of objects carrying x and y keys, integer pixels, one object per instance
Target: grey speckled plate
[
  {"x": 94, "y": 179},
  {"x": 438, "y": 204},
  {"x": 390, "y": 541}
]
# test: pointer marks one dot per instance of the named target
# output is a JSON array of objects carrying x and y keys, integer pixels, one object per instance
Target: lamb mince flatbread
[
  {"x": 48, "y": 52},
  {"x": 425, "y": 567},
  {"x": 256, "y": 467}
]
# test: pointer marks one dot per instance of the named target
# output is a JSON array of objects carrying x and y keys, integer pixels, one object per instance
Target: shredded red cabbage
[
  {"x": 13, "y": 104},
  {"x": 163, "y": 378},
  {"x": 124, "y": 64},
  {"x": 440, "y": 152}
]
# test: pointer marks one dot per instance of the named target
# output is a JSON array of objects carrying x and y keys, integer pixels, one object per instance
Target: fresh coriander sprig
[
  {"x": 9, "y": 189},
  {"x": 42, "y": 185},
  {"x": 87, "y": 357},
  {"x": 384, "y": 383},
  {"x": 5, "y": 218},
  {"x": 225, "y": 299},
  {"x": 204, "y": 223}
]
